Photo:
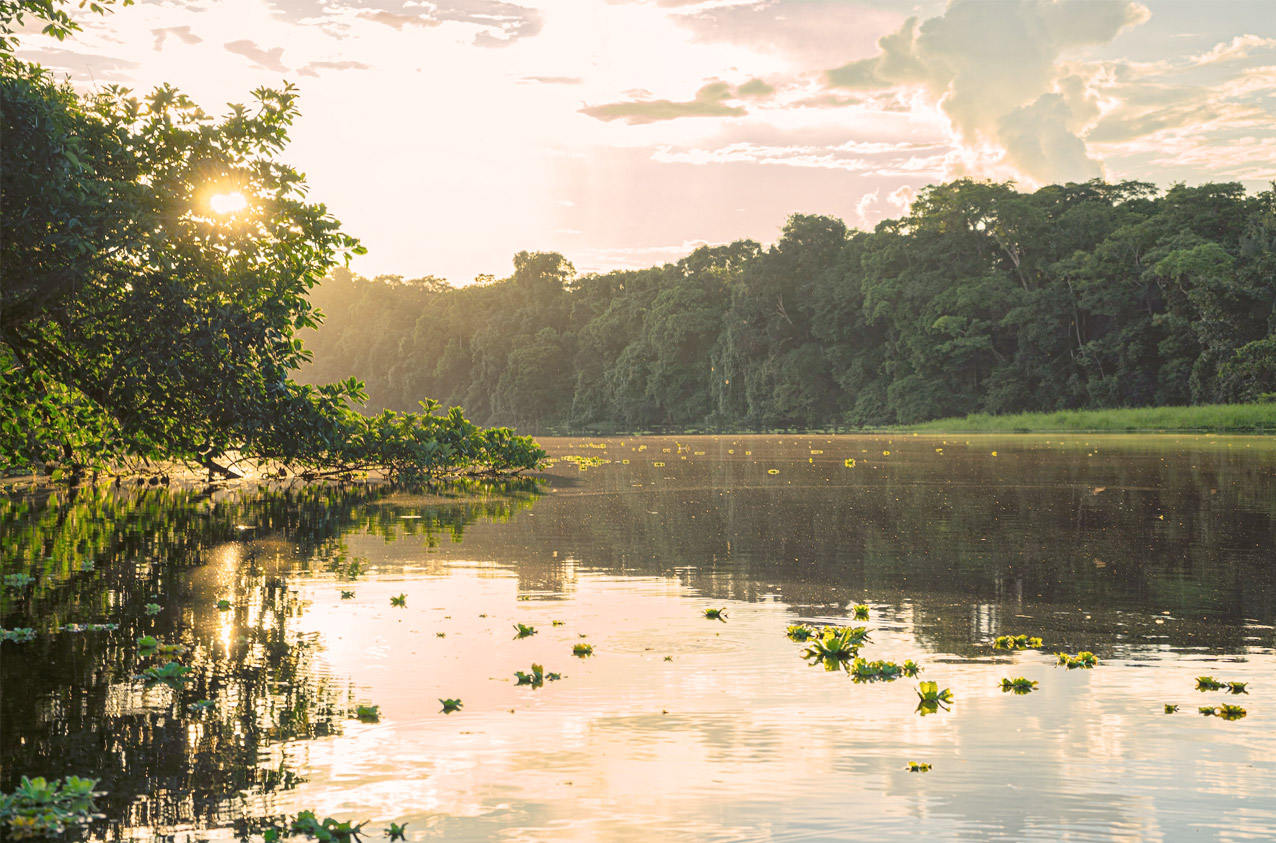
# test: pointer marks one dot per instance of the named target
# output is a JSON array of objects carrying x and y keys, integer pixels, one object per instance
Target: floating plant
[
  {"x": 1209, "y": 683},
  {"x": 401, "y": 601},
  {"x": 326, "y": 829},
  {"x": 800, "y": 632},
  {"x": 1018, "y": 685},
  {"x": 440, "y": 635},
  {"x": 911, "y": 668},
  {"x": 396, "y": 831},
  {"x": 524, "y": 631},
  {"x": 347, "y": 595},
  {"x": 558, "y": 623},
  {"x": 1170, "y": 709},
  {"x": 1207, "y": 710},
  {"x": 876, "y": 671},
  {"x": 1084, "y": 659},
  {"x": 148, "y": 642},
  {"x": 716, "y": 614},
  {"x": 537, "y": 677},
  {"x": 836, "y": 643},
  {"x": 18, "y": 580},
  {"x": 1015, "y": 642},
  {"x": 223, "y": 604},
  {"x": 202, "y": 705},
  {"x": 20, "y": 634},
  {"x": 918, "y": 767},
  {"x": 582, "y": 650},
  {"x": 450, "y": 706},
  {"x": 368, "y": 713},
  {"x": 931, "y": 699},
  {"x": 861, "y": 612},
  {"x": 171, "y": 674},
  {"x": 1231, "y": 712},
  {"x": 152, "y": 608},
  {"x": 42, "y": 809}
]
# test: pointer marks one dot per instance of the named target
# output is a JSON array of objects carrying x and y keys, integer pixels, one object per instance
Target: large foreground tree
[{"x": 156, "y": 264}]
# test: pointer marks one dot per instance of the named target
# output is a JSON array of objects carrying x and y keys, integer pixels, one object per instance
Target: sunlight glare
[{"x": 227, "y": 203}]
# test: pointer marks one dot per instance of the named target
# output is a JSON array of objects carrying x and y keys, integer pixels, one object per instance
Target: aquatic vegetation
[
  {"x": 440, "y": 635},
  {"x": 19, "y": 634},
  {"x": 876, "y": 671},
  {"x": 523, "y": 630},
  {"x": 716, "y": 614},
  {"x": 395, "y": 831},
  {"x": 668, "y": 658},
  {"x": 347, "y": 595},
  {"x": 202, "y": 705},
  {"x": 1015, "y": 642},
  {"x": 1231, "y": 712},
  {"x": 1170, "y": 709},
  {"x": 1237, "y": 687},
  {"x": 558, "y": 623},
  {"x": 88, "y": 627},
  {"x": 537, "y": 677},
  {"x": 40, "y": 808},
  {"x": 582, "y": 650},
  {"x": 931, "y": 699},
  {"x": 223, "y": 605},
  {"x": 171, "y": 674},
  {"x": 911, "y": 668},
  {"x": 918, "y": 767},
  {"x": 450, "y": 706},
  {"x": 773, "y": 471},
  {"x": 800, "y": 632},
  {"x": 327, "y": 829},
  {"x": 850, "y": 463},
  {"x": 1084, "y": 659},
  {"x": 861, "y": 612},
  {"x": 1209, "y": 683},
  {"x": 147, "y": 642},
  {"x": 836, "y": 643},
  {"x": 368, "y": 713},
  {"x": 152, "y": 608},
  {"x": 18, "y": 580},
  {"x": 1019, "y": 685},
  {"x": 401, "y": 601}
]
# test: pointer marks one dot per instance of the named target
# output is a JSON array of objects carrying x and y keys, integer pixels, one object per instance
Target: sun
[{"x": 227, "y": 203}]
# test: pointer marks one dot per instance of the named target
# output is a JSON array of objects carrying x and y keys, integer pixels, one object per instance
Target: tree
[{"x": 157, "y": 263}]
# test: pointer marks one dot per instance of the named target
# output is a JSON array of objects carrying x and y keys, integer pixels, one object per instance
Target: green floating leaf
[
  {"x": 450, "y": 706},
  {"x": 1018, "y": 685},
  {"x": 716, "y": 614},
  {"x": 523, "y": 631}
]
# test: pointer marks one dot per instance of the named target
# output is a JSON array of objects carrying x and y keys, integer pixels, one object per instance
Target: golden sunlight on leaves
[{"x": 227, "y": 203}]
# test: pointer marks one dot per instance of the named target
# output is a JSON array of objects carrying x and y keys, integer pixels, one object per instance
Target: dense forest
[{"x": 980, "y": 299}]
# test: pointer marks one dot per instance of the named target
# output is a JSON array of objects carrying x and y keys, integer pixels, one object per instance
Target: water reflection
[{"x": 1157, "y": 554}]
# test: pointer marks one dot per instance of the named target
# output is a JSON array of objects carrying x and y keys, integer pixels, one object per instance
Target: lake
[{"x": 1155, "y": 553}]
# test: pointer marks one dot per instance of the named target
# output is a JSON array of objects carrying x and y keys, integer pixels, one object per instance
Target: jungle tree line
[{"x": 980, "y": 299}]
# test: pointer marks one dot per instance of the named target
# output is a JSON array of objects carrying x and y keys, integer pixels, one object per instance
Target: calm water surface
[{"x": 1156, "y": 553}]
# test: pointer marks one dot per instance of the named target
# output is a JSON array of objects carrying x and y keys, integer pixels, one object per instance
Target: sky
[{"x": 447, "y": 135}]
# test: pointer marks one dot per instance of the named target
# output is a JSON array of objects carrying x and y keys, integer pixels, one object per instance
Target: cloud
[
  {"x": 265, "y": 59},
  {"x": 499, "y": 23},
  {"x": 755, "y": 88},
  {"x": 182, "y": 32},
  {"x": 398, "y": 21},
  {"x": 1238, "y": 48},
  {"x": 891, "y": 158},
  {"x": 710, "y": 101},
  {"x": 313, "y": 68},
  {"x": 553, "y": 80},
  {"x": 995, "y": 70},
  {"x": 810, "y": 34}
]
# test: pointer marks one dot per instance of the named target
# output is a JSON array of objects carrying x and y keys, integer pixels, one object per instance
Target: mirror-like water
[{"x": 1156, "y": 553}]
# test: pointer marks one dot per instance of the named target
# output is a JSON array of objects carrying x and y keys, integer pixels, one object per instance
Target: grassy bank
[{"x": 1234, "y": 418}]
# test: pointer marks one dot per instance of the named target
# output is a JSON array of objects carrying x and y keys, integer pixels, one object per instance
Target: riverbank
[{"x": 1229, "y": 418}]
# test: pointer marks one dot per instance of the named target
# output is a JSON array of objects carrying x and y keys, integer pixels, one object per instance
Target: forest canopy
[
  {"x": 980, "y": 299},
  {"x": 156, "y": 264}
]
